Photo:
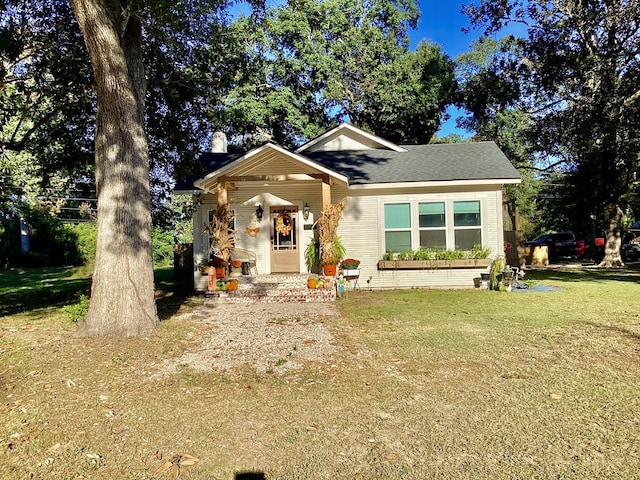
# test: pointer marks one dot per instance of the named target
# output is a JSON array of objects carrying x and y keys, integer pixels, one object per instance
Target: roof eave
[
  {"x": 346, "y": 126},
  {"x": 438, "y": 183}
]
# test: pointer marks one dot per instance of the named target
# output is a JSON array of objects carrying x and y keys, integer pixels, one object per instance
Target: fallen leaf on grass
[
  {"x": 556, "y": 396},
  {"x": 53, "y": 448},
  {"x": 178, "y": 462}
]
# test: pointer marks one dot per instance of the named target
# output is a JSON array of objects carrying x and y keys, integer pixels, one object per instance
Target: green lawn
[
  {"x": 22, "y": 290},
  {"x": 425, "y": 384}
]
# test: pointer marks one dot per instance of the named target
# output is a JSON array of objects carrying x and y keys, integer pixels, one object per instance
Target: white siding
[{"x": 362, "y": 232}]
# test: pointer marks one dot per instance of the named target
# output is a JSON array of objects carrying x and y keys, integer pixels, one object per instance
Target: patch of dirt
[{"x": 271, "y": 338}]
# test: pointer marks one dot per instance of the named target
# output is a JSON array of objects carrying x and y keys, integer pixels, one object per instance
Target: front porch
[{"x": 271, "y": 288}]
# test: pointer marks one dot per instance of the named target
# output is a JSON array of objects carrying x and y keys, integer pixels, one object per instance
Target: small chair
[{"x": 248, "y": 259}]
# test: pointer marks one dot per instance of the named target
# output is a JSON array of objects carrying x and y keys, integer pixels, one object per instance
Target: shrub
[
  {"x": 162, "y": 247},
  {"x": 477, "y": 252},
  {"x": 86, "y": 233},
  {"x": 77, "y": 312},
  {"x": 52, "y": 243}
]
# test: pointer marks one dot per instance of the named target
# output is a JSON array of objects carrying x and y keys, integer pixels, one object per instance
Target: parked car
[
  {"x": 561, "y": 244},
  {"x": 630, "y": 252},
  {"x": 630, "y": 249}
]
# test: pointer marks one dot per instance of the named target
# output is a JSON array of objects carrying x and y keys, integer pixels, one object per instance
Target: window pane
[
  {"x": 466, "y": 239},
  {"x": 466, "y": 213},
  {"x": 397, "y": 215},
  {"x": 431, "y": 214},
  {"x": 433, "y": 239},
  {"x": 397, "y": 241}
]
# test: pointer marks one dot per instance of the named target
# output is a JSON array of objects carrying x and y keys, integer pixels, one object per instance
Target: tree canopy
[
  {"x": 492, "y": 96},
  {"x": 314, "y": 63},
  {"x": 578, "y": 78}
]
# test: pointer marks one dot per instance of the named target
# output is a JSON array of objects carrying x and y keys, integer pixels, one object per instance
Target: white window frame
[
  {"x": 410, "y": 229},
  {"x": 457, "y": 228},
  {"x": 450, "y": 228},
  {"x": 431, "y": 229}
]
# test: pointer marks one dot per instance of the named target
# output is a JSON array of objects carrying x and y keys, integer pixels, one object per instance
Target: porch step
[{"x": 271, "y": 289}]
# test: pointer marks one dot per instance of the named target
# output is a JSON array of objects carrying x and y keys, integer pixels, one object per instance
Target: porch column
[
  {"x": 326, "y": 191},
  {"x": 222, "y": 195}
]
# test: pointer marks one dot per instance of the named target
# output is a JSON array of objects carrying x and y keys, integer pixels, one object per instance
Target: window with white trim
[
  {"x": 397, "y": 227},
  {"x": 432, "y": 224},
  {"x": 453, "y": 225},
  {"x": 467, "y": 224}
]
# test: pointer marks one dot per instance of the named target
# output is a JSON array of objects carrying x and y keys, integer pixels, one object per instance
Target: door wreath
[{"x": 284, "y": 225}]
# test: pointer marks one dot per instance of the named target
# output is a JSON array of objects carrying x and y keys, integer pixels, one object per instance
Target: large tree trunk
[
  {"x": 613, "y": 241},
  {"x": 122, "y": 294}
]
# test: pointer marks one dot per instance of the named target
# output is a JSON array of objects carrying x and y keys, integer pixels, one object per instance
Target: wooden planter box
[{"x": 433, "y": 264}]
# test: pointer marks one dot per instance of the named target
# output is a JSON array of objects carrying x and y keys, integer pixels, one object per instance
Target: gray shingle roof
[{"x": 420, "y": 163}]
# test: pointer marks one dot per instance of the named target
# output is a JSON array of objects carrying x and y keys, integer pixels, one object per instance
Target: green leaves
[
  {"x": 577, "y": 76},
  {"x": 314, "y": 63}
]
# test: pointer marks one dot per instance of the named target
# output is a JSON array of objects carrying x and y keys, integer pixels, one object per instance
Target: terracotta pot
[
  {"x": 221, "y": 272},
  {"x": 330, "y": 270},
  {"x": 211, "y": 281}
]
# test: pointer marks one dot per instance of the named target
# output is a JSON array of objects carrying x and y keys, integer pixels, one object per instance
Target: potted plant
[
  {"x": 350, "y": 267},
  {"x": 330, "y": 266},
  {"x": 312, "y": 256},
  {"x": 332, "y": 256},
  {"x": 220, "y": 265}
]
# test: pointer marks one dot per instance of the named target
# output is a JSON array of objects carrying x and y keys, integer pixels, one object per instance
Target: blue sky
[{"x": 441, "y": 22}]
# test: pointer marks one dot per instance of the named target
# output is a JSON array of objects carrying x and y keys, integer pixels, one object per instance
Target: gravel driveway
[{"x": 271, "y": 338}]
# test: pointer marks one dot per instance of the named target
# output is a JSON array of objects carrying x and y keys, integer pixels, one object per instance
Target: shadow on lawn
[
  {"x": 617, "y": 329},
  {"x": 171, "y": 292},
  {"x": 586, "y": 274},
  {"x": 24, "y": 290}
]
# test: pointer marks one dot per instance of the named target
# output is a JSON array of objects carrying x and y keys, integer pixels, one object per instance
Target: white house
[{"x": 398, "y": 198}]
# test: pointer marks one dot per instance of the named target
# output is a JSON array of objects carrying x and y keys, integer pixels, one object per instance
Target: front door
[{"x": 285, "y": 256}]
